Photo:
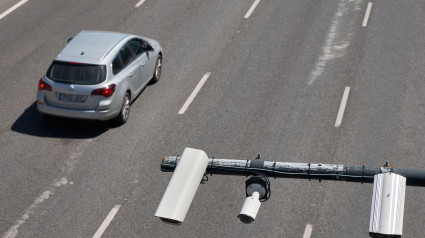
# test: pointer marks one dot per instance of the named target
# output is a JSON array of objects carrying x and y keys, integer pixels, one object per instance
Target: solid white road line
[
  {"x": 194, "y": 93},
  {"x": 254, "y": 5},
  {"x": 342, "y": 107},
  {"x": 139, "y": 3},
  {"x": 366, "y": 17},
  {"x": 12, "y": 8},
  {"x": 308, "y": 230},
  {"x": 106, "y": 222}
]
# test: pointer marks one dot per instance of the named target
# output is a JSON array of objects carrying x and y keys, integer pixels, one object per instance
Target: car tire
[
  {"x": 158, "y": 69},
  {"x": 125, "y": 110}
]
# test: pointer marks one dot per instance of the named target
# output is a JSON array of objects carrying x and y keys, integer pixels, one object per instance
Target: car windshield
[{"x": 76, "y": 73}]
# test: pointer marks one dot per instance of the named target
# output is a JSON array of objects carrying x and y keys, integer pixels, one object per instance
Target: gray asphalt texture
[{"x": 276, "y": 83}]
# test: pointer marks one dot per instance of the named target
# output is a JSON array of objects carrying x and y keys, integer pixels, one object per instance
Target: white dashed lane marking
[
  {"x": 308, "y": 231},
  {"x": 254, "y": 5},
  {"x": 342, "y": 107},
  {"x": 8, "y": 11},
  {"x": 107, "y": 221},
  {"x": 139, "y": 3},
  {"x": 194, "y": 93},
  {"x": 366, "y": 17}
]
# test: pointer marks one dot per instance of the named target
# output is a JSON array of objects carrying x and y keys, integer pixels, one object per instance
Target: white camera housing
[
  {"x": 387, "y": 210},
  {"x": 250, "y": 208},
  {"x": 254, "y": 192},
  {"x": 182, "y": 186}
]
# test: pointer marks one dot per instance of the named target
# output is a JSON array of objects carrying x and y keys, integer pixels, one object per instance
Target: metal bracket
[
  {"x": 258, "y": 156},
  {"x": 387, "y": 168}
]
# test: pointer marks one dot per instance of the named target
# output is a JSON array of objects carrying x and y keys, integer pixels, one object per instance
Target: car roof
[{"x": 90, "y": 47}]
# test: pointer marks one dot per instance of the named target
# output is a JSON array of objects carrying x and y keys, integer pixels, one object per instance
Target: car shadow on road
[{"x": 33, "y": 123}]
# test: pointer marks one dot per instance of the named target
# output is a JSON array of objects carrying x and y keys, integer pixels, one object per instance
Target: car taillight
[
  {"x": 106, "y": 91},
  {"x": 44, "y": 86}
]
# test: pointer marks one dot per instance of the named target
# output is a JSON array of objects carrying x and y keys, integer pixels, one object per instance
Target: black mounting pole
[{"x": 361, "y": 174}]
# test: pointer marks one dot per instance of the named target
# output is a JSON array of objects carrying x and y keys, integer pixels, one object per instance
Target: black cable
[
  {"x": 212, "y": 164},
  {"x": 252, "y": 171},
  {"x": 309, "y": 171},
  {"x": 246, "y": 166},
  {"x": 205, "y": 176}
]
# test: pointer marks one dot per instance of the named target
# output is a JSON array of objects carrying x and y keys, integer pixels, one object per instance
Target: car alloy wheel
[
  {"x": 158, "y": 68},
  {"x": 125, "y": 110}
]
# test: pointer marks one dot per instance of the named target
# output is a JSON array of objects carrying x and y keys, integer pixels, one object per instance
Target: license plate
[{"x": 72, "y": 98}]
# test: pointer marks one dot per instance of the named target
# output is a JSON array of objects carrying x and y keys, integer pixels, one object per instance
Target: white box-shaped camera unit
[
  {"x": 387, "y": 210},
  {"x": 182, "y": 186}
]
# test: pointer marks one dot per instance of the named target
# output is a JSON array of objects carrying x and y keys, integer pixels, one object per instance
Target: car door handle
[
  {"x": 143, "y": 64},
  {"x": 130, "y": 74}
]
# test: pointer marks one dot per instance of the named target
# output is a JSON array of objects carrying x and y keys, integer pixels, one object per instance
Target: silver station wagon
[{"x": 98, "y": 74}]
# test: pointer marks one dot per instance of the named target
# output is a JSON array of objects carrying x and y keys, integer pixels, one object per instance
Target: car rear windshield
[{"x": 76, "y": 73}]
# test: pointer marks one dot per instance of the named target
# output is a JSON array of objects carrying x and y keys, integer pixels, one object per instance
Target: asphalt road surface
[{"x": 277, "y": 71}]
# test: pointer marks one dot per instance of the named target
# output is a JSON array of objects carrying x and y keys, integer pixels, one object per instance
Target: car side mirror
[
  {"x": 149, "y": 47},
  {"x": 70, "y": 39}
]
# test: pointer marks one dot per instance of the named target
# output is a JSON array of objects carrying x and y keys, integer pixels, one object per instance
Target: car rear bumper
[{"x": 76, "y": 114}]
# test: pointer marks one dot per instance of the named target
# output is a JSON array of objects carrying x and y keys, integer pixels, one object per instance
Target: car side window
[
  {"x": 126, "y": 56},
  {"x": 137, "y": 46},
  {"x": 116, "y": 65}
]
